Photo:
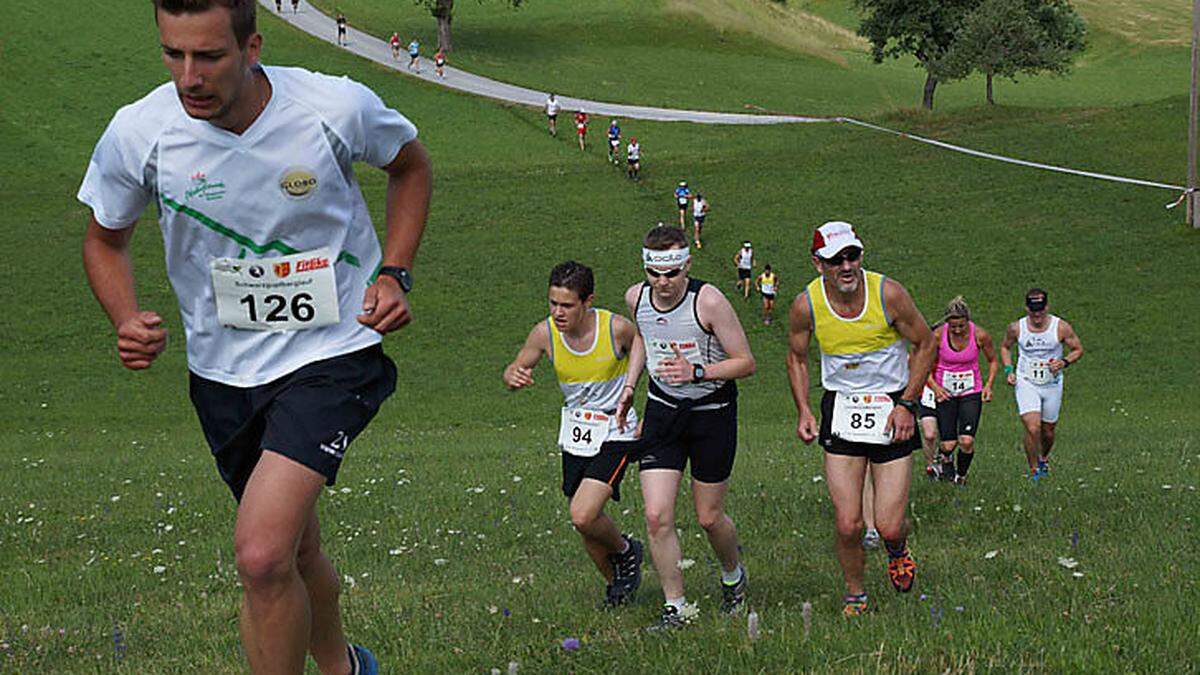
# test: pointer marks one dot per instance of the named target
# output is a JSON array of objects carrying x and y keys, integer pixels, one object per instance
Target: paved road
[{"x": 313, "y": 21}]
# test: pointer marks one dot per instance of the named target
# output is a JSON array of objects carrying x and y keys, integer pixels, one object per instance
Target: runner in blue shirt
[
  {"x": 614, "y": 142},
  {"x": 682, "y": 195},
  {"x": 414, "y": 50}
]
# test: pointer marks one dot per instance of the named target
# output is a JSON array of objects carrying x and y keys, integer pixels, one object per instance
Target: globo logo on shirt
[{"x": 298, "y": 183}]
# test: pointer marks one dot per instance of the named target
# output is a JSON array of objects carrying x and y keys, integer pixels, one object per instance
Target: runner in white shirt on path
[{"x": 272, "y": 256}]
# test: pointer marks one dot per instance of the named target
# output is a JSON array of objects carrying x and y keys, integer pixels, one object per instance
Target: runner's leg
[
  {"x": 276, "y": 619},
  {"x": 660, "y": 487},
  {"x": 327, "y": 641},
  {"x": 600, "y": 535},
  {"x": 709, "y": 499},
  {"x": 844, "y": 477},
  {"x": 1033, "y": 438}
]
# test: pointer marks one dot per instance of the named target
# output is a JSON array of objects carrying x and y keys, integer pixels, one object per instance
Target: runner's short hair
[
  {"x": 242, "y": 14},
  {"x": 664, "y": 237},
  {"x": 957, "y": 309},
  {"x": 1036, "y": 292},
  {"x": 574, "y": 276}
]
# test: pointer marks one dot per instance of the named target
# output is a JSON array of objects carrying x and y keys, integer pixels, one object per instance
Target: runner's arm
[
  {"x": 911, "y": 325},
  {"x": 410, "y": 183},
  {"x": 984, "y": 340},
  {"x": 1010, "y": 338},
  {"x": 1066, "y": 335},
  {"x": 800, "y": 329},
  {"x": 519, "y": 373},
  {"x": 637, "y": 358},
  {"x": 140, "y": 339},
  {"x": 714, "y": 308}
]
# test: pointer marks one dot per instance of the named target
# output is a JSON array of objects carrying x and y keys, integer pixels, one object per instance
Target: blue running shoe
[
  {"x": 1043, "y": 466},
  {"x": 362, "y": 661}
]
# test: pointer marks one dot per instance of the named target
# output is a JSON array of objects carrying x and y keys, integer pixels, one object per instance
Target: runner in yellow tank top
[
  {"x": 862, "y": 321},
  {"x": 589, "y": 349},
  {"x": 768, "y": 285}
]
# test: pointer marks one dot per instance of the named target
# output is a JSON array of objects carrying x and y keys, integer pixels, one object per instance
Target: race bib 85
[{"x": 861, "y": 418}]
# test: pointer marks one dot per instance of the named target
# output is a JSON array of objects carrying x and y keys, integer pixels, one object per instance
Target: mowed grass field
[{"x": 447, "y": 520}]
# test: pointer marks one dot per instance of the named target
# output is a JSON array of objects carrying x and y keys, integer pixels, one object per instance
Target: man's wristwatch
[
  {"x": 909, "y": 405},
  {"x": 697, "y": 373},
  {"x": 400, "y": 274},
  {"x": 1066, "y": 363}
]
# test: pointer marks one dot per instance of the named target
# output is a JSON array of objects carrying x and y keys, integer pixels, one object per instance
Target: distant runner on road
[
  {"x": 633, "y": 159},
  {"x": 552, "y": 108}
]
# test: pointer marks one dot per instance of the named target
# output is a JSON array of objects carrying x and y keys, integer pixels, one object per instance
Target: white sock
[
  {"x": 731, "y": 578},
  {"x": 677, "y": 603}
]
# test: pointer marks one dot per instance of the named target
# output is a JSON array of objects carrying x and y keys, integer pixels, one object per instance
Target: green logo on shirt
[{"x": 202, "y": 188}]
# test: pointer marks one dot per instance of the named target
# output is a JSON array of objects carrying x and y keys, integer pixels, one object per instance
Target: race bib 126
[
  {"x": 294, "y": 292},
  {"x": 582, "y": 431},
  {"x": 861, "y": 418}
]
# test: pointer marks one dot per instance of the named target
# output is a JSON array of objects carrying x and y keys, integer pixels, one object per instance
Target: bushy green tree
[
  {"x": 926, "y": 29},
  {"x": 1011, "y": 37}
]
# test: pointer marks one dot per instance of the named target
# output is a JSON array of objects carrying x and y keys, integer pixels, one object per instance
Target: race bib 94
[
  {"x": 582, "y": 431},
  {"x": 861, "y": 418},
  {"x": 295, "y": 292}
]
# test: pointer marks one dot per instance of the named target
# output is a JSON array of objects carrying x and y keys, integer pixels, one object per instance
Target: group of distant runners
[
  {"x": 413, "y": 49},
  {"x": 286, "y": 367},
  {"x": 633, "y": 151}
]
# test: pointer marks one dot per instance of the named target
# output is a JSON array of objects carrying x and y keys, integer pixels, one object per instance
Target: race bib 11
[
  {"x": 1039, "y": 372},
  {"x": 861, "y": 418},
  {"x": 581, "y": 431},
  {"x": 295, "y": 292}
]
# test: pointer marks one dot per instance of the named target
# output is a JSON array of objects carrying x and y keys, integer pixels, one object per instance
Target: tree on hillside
[
  {"x": 926, "y": 29},
  {"x": 443, "y": 11},
  {"x": 1011, "y": 37}
]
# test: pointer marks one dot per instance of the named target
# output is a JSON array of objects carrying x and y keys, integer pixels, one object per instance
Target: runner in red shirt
[{"x": 581, "y": 122}]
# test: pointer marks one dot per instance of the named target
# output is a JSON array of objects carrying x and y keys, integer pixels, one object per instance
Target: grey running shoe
[
  {"x": 669, "y": 621},
  {"x": 627, "y": 573},
  {"x": 871, "y": 539},
  {"x": 733, "y": 596}
]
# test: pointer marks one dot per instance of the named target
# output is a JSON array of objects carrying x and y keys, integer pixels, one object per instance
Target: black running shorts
[
  {"x": 874, "y": 452},
  {"x": 959, "y": 416},
  {"x": 607, "y": 467},
  {"x": 743, "y": 273},
  {"x": 707, "y": 439},
  {"x": 309, "y": 416}
]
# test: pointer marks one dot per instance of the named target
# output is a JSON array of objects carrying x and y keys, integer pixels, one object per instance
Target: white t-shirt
[
  {"x": 634, "y": 151},
  {"x": 285, "y": 185},
  {"x": 552, "y": 106},
  {"x": 745, "y": 259},
  {"x": 700, "y": 207}
]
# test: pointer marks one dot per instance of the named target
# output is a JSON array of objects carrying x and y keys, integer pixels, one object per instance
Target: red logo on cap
[{"x": 818, "y": 240}]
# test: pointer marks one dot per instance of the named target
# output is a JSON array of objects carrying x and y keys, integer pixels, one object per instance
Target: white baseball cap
[{"x": 832, "y": 237}]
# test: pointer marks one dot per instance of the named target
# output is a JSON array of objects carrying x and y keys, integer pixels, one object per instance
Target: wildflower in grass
[
  {"x": 991, "y": 554},
  {"x": 685, "y": 563},
  {"x": 1075, "y": 538},
  {"x": 118, "y": 641},
  {"x": 570, "y": 644},
  {"x": 806, "y": 615},
  {"x": 1069, "y": 563},
  {"x": 752, "y": 625},
  {"x": 512, "y": 667},
  {"x": 506, "y": 612}
]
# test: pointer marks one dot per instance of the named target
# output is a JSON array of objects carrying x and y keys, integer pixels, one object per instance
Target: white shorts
[{"x": 1045, "y": 399}]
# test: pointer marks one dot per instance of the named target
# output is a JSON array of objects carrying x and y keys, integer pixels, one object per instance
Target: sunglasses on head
[
  {"x": 670, "y": 274},
  {"x": 850, "y": 254},
  {"x": 1036, "y": 304}
]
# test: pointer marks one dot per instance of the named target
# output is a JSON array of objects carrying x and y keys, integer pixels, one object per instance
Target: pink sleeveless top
[{"x": 958, "y": 372}]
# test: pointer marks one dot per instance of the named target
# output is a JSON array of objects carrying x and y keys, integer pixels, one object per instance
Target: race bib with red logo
[
  {"x": 295, "y": 292},
  {"x": 582, "y": 431}
]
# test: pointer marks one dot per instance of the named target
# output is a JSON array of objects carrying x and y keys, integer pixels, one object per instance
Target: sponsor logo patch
[{"x": 298, "y": 183}]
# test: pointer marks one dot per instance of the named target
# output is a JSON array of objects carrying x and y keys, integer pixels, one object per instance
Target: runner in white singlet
[{"x": 1038, "y": 376}]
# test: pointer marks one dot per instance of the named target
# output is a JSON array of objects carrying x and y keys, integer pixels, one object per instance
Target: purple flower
[
  {"x": 570, "y": 644},
  {"x": 506, "y": 612}
]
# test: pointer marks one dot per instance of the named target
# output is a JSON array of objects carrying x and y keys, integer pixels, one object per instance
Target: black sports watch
[
  {"x": 697, "y": 373},
  {"x": 909, "y": 405},
  {"x": 400, "y": 274}
]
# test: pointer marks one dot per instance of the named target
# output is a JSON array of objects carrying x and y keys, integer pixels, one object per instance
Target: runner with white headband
[{"x": 694, "y": 347}]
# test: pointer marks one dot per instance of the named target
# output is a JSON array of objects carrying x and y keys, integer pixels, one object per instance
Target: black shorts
[
  {"x": 553, "y": 117},
  {"x": 606, "y": 467},
  {"x": 959, "y": 416},
  {"x": 682, "y": 204},
  {"x": 768, "y": 296},
  {"x": 874, "y": 452},
  {"x": 743, "y": 273},
  {"x": 633, "y": 161},
  {"x": 924, "y": 411},
  {"x": 309, "y": 416},
  {"x": 708, "y": 439},
  {"x": 699, "y": 220}
]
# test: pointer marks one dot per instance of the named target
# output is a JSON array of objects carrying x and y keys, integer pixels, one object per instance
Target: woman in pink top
[{"x": 959, "y": 389}]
